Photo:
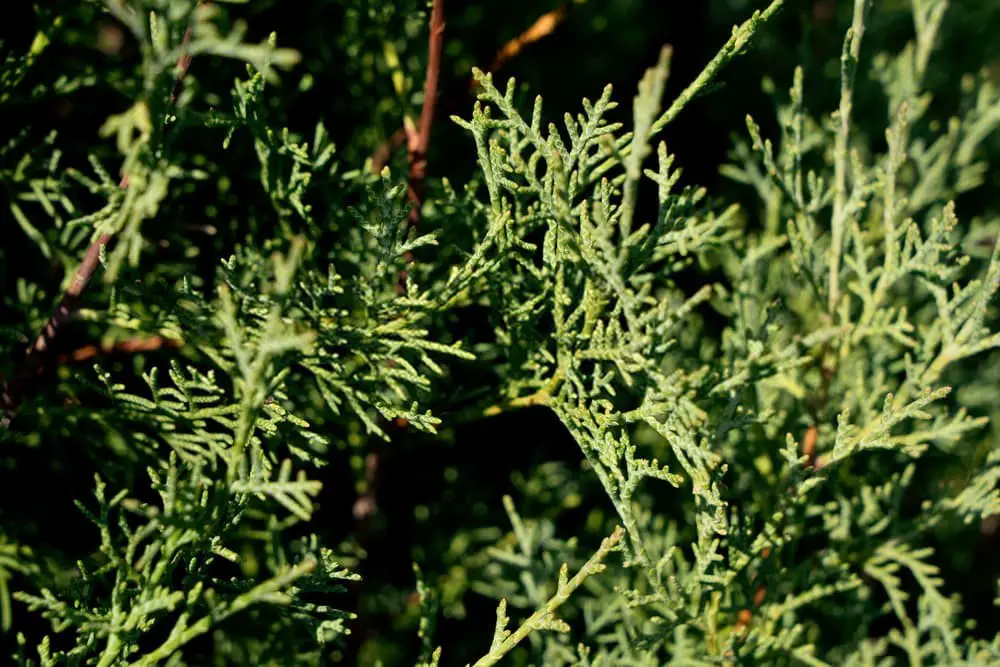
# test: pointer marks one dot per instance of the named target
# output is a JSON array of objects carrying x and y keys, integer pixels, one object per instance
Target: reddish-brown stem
[
  {"x": 809, "y": 445},
  {"x": 418, "y": 139},
  {"x": 71, "y": 299}
]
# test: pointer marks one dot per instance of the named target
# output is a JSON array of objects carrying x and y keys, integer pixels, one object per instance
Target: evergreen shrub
[{"x": 317, "y": 351}]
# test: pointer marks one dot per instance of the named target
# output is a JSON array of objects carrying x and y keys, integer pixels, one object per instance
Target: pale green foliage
[{"x": 847, "y": 314}]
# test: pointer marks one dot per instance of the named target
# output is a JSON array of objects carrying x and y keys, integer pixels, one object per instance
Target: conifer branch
[
  {"x": 570, "y": 263},
  {"x": 738, "y": 41},
  {"x": 418, "y": 137},
  {"x": 848, "y": 69},
  {"x": 70, "y": 302},
  {"x": 183, "y": 633},
  {"x": 544, "y": 618}
]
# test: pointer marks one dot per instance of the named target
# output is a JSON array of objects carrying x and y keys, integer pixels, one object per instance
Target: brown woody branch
[{"x": 418, "y": 138}]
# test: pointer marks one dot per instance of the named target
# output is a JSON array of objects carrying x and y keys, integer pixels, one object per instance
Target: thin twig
[
  {"x": 33, "y": 361},
  {"x": 384, "y": 151},
  {"x": 71, "y": 299},
  {"x": 418, "y": 139},
  {"x": 543, "y": 26}
]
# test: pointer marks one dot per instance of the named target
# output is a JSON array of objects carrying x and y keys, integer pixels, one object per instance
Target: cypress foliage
[{"x": 287, "y": 354}]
